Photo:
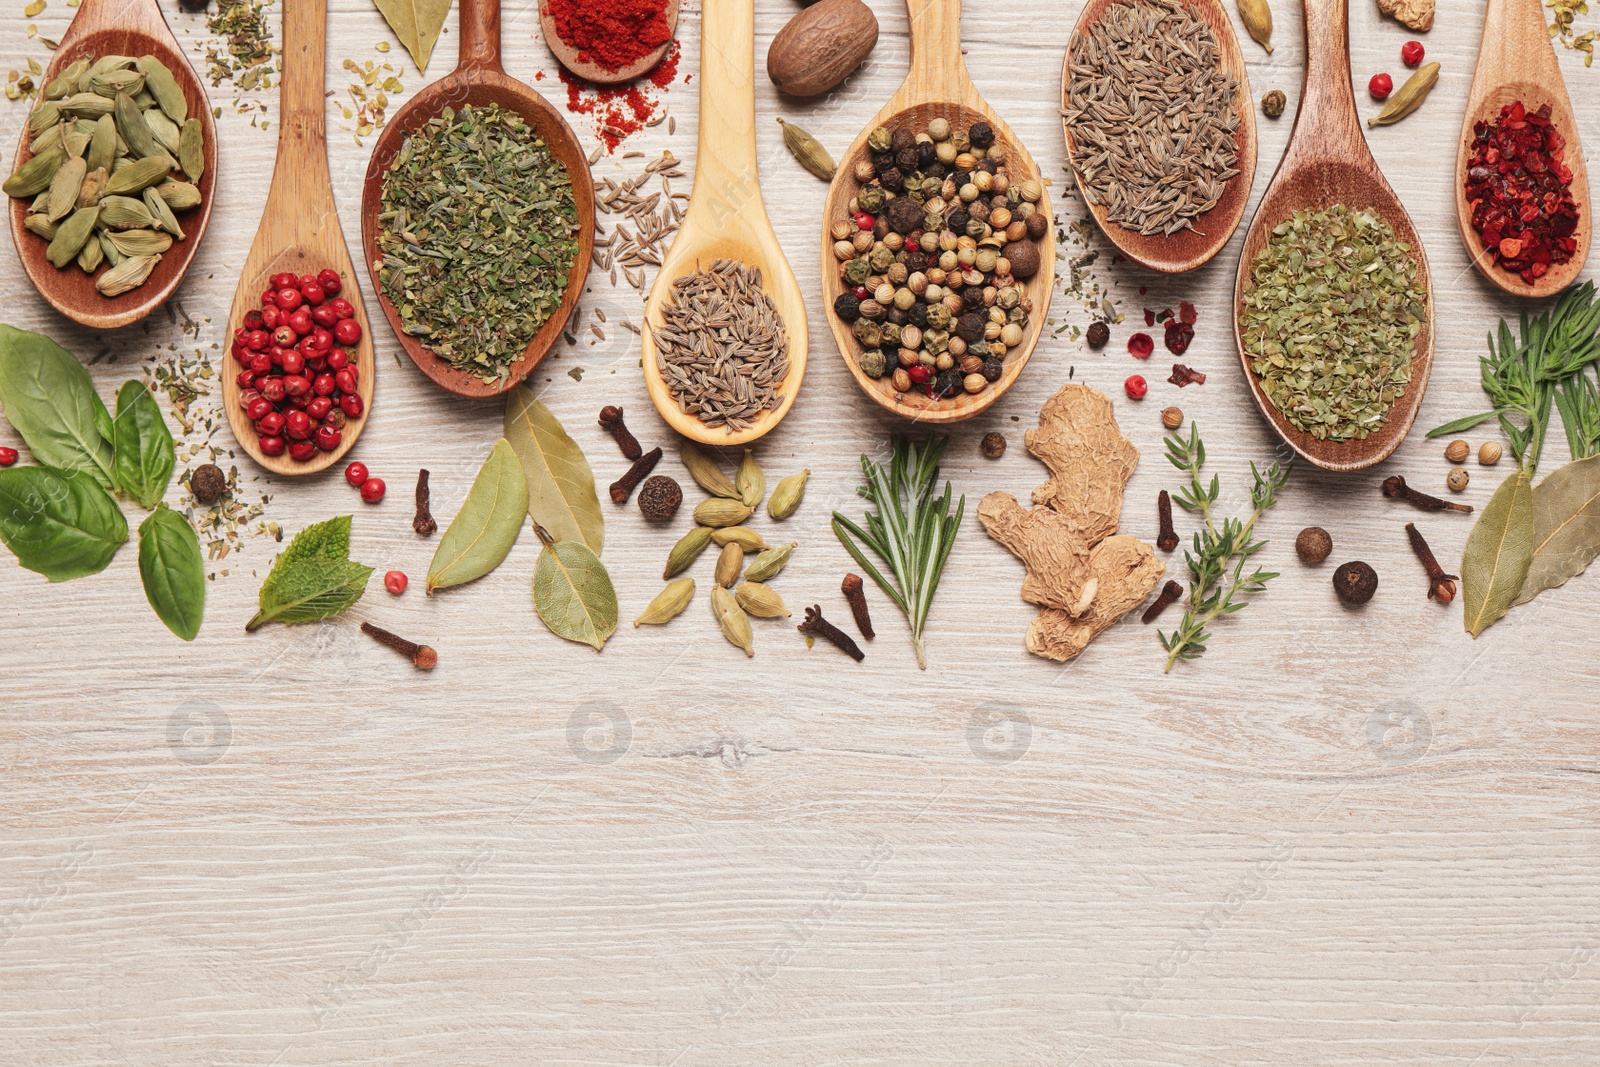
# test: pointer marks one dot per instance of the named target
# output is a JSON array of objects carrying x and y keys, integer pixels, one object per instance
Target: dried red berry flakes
[{"x": 1521, "y": 191}]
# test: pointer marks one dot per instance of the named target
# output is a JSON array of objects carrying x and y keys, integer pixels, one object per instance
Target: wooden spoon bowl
[
  {"x": 299, "y": 230},
  {"x": 1185, "y": 249},
  {"x": 937, "y": 86},
  {"x": 1516, "y": 62},
  {"x": 480, "y": 80},
  {"x": 128, "y": 28},
  {"x": 1327, "y": 163},
  {"x": 568, "y": 56},
  {"x": 726, "y": 218}
]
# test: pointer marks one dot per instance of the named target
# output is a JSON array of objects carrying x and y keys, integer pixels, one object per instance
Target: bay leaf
[
  {"x": 1566, "y": 526},
  {"x": 416, "y": 23},
  {"x": 1497, "y": 555},
  {"x": 561, "y": 492},
  {"x": 173, "y": 571},
  {"x": 487, "y": 525},
  {"x": 573, "y": 594}
]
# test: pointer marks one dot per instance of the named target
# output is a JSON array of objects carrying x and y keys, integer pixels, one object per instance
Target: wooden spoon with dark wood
[
  {"x": 1328, "y": 163},
  {"x": 126, "y": 28},
  {"x": 480, "y": 80},
  {"x": 1516, "y": 62},
  {"x": 573, "y": 59},
  {"x": 300, "y": 231}
]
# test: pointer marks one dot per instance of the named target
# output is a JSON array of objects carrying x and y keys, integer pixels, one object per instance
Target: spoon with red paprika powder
[{"x": 608, "y": 41}]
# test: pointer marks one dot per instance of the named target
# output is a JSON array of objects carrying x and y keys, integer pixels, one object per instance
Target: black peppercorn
[
  {"x": 208, "y": 483},
  {"x": 993, "y": 445},
  {"x": 945, "y": 384},
  {"x": 969, "y": 327},
  {"x": 903, "y": 139},
  {"x": 972, "y": 297},
  {"x": 981, "y": 135},
  {"x": 903, "y": 215},
  {"x": 882, "y": 161},
  {"x": 847, "y": 307},
  {"x": 1355, "y": 582},
  {"x": 927, "y": 154},
  {"x": 918, "y": 315},
  {"x": 659, "y": 498},
  {"x": 935, "y": 170},
  {"x": 992, "y": 369},
  {"x": 956, "y": 221},
  {"x": 1099, "y": 334},
  {"x": 908, "y": 159},
  {"x": 897, "y": 316}
]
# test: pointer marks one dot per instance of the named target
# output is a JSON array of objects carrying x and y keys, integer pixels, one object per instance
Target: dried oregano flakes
[{"x": 1331, "y": 319}]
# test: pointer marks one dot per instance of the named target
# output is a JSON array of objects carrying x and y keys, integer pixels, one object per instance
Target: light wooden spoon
[
  {"x": 1327, "y": 163},
  {"x": 299, "y": 230},
  {"x": 1516, "y": 62},
  {"x": 128, "y": 28},
  {"x": 726, "y": 218},
  {"x": 570, "y": 58},
  {"x": 480, "y": 80},
  {"x": 936, "y": 86}
]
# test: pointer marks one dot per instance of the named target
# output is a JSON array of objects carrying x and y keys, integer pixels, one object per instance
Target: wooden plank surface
[{"x": 1342, "y": 838}]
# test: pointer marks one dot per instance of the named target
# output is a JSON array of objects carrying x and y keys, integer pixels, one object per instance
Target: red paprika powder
[
  {"x": 1520, "y": 191},
  {"x": 611, "y": 33},
  {"x": 620, "y": 110}
]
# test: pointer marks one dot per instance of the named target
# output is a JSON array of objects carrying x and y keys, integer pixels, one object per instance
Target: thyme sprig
[
  {"x": 911, "y": 532},
  {"x": 1218, "y": 584}
]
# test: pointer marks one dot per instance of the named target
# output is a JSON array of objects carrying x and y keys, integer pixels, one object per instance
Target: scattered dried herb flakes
[
  {"x": 479, "y": 232},
  {"x": 245, "y": 59},
  {"x": 1331, "y": 318},
  {"x": 369, "y": 89},
  {"x": 1562, "y": 15}
]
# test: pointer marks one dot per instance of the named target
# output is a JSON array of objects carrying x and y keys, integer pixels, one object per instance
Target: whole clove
[
  {"x": 816, "y": 626},
  {"x": 1441, "y": 586},
  {"x": 423, "y": 523},
  {"x": 855, "y": 592},
  {"x": 1395, "y": 488},
  {"x": 1167, "y": 539},
  {"x": 1168, "y": 595},
  {"x": 422, "y": 657},
  {"x": 611, "y": 422},
  {"x": 623, "y": 487}
]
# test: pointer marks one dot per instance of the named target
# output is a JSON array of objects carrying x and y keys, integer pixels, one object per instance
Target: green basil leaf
[
  {"x": 142, "y": 452},
  {"x": 1497, "y": 555},
  {"x": 61, "y": 524},
  {"x": 487, "y": 525},
  {"x": 573, "y": 594},
  {"x": 49, "y": 398},
  {"x": 173, "y": 571},
  {"x": 1566, "y": 526},
  {"x": 312, "y": 578},
  {"x": 561, "y": 493}
]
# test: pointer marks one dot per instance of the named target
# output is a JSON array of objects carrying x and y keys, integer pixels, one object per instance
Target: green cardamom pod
[
  {"x": 704, "y": 470},
  {"x": 668, "y": 604},
  {"x": 71, "y": 235},
  {"x": 749, "y": 480},
  {"x": 760, "y": 600},
  {"x": 138, "y": 242},
  {"x": 94, "y": 184},
  {"x": 101, "y": 67},
  {"x": 686, "y": 551},
  {"x": 719, "y": 511},
  {"x": 729, "y": 563},
  {"x": 43, "y": 117},
  {"x": 50, "y": 139},
  {"x": 786, "y": 495},
  {"x": 87, "y": 105},
  {"x": 137, "y": 175},
  {"x": 165, "y": 220},
  {"x": 113, "y": 82},
  {"x": 91, "y": 256},
  {"x": 41, "y": 225},
  {"x": 67, "y": 81},
  {"x": 64, "y": 189},
  {"x": 1408, "y": 97},
  {"x": 103, "y": 144},
  {"x": 743, "y": 536},
  {"x": 768, "y": 564},
  {"x": 731, "y": 617},
  {"x": 125, "y": 213},
  {"x": 164, "y": 87},
  {"x": 166, "y": 131},
  {"x": 114, "y": 254},
  {"x": 192, "y": 149},
  {"x": 808, "y": 150},
  {"x": 131, "y": 125},
  {"x": 33, "y": 177},
  {"x": 180, "y": 196},
  {"x": 77, "y": 143},
  {"x": 1257, "y": 17},
  {"x": 40, "y": 203},
  {"x": 126, "y": 276}
]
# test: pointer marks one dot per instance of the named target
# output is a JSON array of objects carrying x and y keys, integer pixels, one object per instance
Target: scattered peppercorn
[
  {"x": 1380, "y": 86},
  {"x": 8, "y": 456},
  {"x": 1457, "y": 479},
  {"x": 1172, "y": 417},
  {"x": 1099, "y": 333},
  {"x": 1136, "y": 387},
  {"x": 1355, "y": 582},
  {"x": 1140, "y": 346},
  {"x": 356, "y": 474},
  {"x": 1411, "y": 53},
  {"x": 208, "y": 483},
  {"x": 1273, "y": 103},
  {"x": 396, "y": 582},
  {"x": 1313, "y": 545},
  {"x": 993, "y": 445},
  {"x": 372, "y": 490},
  {"x": 659, "y": 498}
]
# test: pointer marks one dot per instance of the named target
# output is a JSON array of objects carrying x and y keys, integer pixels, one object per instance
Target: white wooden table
[{"x": 1342, "y": 838}]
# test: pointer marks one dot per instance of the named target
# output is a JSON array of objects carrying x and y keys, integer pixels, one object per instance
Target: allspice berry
[
  {"x": 993, "y": 445},
  {"x": 1272, "y": 103},
  {"x": 1023, "y": 257},
  {"x": 1172, "y": 417},
  {"x": 659, "y": 498},
  {"x": 208, "y": 483},
  {"x": 1313, "y": 545},
  {"x": 1489, "y": 453},
  {"x": 1099, "y": 334},
  {"x": 1355, "y": 582},
  {"x": 1457, "y": 451},
  {"x": 1457, "y": 479}
]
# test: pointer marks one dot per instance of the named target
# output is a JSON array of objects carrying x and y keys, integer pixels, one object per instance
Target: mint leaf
[{"x": 312, "y": 578}]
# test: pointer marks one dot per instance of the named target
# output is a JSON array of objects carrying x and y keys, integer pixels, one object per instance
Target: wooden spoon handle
[
  {"x": 725, "y": 163},
  {"x": 480, "y": 37},
  {"x": 1327, "y": 102},
  {"x": 301, "y": 100},
  {"x": 938, "y": 72}
]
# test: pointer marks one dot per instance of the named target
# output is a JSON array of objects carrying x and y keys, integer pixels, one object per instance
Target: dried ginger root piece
[
  {"x": 1056, "y": 558},
  {"x": 1418, "y": 14},
  {"x": 1089, "y": 460},
  {"x": 1125, "y": 571}
]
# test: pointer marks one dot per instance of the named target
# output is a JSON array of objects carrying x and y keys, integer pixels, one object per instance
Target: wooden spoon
[
  {"x": 936, "y": 86},
  {"x": 480, "y": 80},
  {"x": 1516, "y": 62},
  {"x": 1186, "y": 249},
  {"x": 726, "y": 218},
  {"x": 1327, "y": 163},
  {"x": 299, "y": 230},
  {"x": 569, "y": 56},
  {"x": 127, "y": 28}
]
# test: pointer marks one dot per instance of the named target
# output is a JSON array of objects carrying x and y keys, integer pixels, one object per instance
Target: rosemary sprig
[
  {"x": 911, "y": 532},
  {"x": 1218, "y": 584}
]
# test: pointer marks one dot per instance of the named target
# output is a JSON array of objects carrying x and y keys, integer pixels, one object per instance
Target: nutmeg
[{"x": 821, "y": 47}]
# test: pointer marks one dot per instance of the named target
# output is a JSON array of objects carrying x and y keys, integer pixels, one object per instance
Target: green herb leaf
[
  {"x": 173, "y": 571},
  {"x": 573, "y": 595},
  {"x": 329, "y": 539},
  {"x": 49, "y": 398},
  {"x": 61, "y": 524},
  {"x": 312, "y": 578},
  {"x": 142, "y": 450},
  {"x": 487, "y": 525},
  {"x": 416, "y": 23},
  {"x": 1497, "y": 555},
  {"x": 561, "y": 492},
  {"x": 1566, "y": 526}
]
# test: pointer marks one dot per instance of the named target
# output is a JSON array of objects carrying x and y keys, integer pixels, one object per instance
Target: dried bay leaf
[
  {"x": 1497, "y": 555},
  {"x": 483, "y": 531},
  {"x": 416, "y": 23},
  {"x": 173, "y": 571},
  {"x": 561, "y": 492},
  {"x": 1566, "y": 526},
  {"x": 573, "y": 594}
]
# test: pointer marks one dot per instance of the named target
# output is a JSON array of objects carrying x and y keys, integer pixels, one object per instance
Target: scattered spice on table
[
  {"x": 1330, "y": 318},
  {"x": 1520, "y": 190},
  {"x": 654, "y": 217},
  {"x": 245, "y": 57},
  {"x": 1184, "y": 375},
  {"x": 621, "y": 110},
  {"x": 369, "y": 89},
  {"x": 1152, "y": 116},
  {"x": 721, "y": 347},
  {"x": 1563, "y": 13}
]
